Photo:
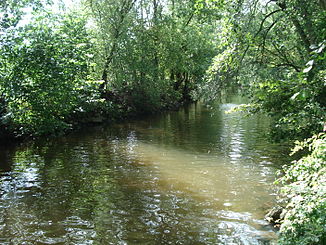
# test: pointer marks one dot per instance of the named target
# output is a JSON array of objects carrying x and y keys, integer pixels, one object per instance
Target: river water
[{"x": 195, "y": 176}]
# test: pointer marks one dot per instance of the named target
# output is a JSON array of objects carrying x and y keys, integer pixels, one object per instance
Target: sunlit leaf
[
  {"x": 295, "y": 96},
  {"x": 306, "y": 70}
]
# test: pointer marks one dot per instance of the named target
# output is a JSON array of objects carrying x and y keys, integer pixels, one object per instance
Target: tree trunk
[{"x": 322, "y": 4}]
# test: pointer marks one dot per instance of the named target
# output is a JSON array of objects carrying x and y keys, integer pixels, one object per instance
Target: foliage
[
  {"x": 12, "y": 11},
  {"x": 305, "y": 187},
  {"x": 297, "y": 104},
  {"x": 43, "y": 66},
  {"x": 151, "y": 55},
  {"x": 121, "y": 58},
  {"x": 115, "y": 58},
  {"x": 154, "y": 54},
  {"x": 275, "y": 50}
]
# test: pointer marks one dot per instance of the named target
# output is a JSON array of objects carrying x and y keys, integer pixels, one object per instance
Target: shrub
[{"x": 305, "y": 186}]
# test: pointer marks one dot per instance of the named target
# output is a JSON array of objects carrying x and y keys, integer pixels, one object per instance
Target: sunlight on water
[
  {"x": 225, "y": 190},
  {"x": 196, "y": 176},
  {"x": 201, "y": 175}
]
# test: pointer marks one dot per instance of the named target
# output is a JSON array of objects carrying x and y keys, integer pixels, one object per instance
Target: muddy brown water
[{"x": 195, "y": 176}]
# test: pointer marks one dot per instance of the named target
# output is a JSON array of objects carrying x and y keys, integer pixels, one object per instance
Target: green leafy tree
[
  {"x": 12, "y": 11},
  {"x": 276, "y": 51},
  {"x": 154, "y": 52},
  {"x": 45, "y": 63}
]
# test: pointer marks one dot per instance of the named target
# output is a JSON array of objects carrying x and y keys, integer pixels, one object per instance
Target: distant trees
[
  {"x": 111, "y": 59},
  {"x": 116, "y": 58},
  {"x": 276, "y": 50},
  {"x": 153, "y": 52}
]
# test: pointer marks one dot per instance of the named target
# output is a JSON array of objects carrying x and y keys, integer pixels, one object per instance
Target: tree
[
  {"x": 12, "y": 11},
  {"x": 153, "y": 54},
  {"x": 276, "y": 50},
  {"x": 44, "y": 65}
]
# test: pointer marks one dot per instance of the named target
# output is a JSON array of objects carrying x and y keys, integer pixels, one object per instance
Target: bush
[
  {"x": 43, "y": 66},
  {"x": 305, "y": 186}
]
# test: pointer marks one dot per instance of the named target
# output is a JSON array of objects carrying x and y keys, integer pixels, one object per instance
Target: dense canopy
[{"x": 104, "y": 60}]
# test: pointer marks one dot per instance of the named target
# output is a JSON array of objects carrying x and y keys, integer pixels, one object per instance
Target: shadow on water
[{"x": 196, "y": 176}]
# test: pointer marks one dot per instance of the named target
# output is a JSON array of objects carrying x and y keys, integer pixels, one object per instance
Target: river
[{"x": 194, "y": 176}]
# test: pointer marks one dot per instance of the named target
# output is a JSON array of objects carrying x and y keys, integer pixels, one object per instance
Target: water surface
[{"x": 195, "y": 176}]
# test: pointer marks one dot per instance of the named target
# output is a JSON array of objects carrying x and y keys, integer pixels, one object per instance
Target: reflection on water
[{"x": 196, "y": 176}]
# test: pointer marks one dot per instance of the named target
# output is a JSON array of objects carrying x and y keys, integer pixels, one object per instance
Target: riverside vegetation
[{"x": 110, "y": 59}]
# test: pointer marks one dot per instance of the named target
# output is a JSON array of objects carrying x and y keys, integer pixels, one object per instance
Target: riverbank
[
  {"x": 99, "y": 112},
  {"x": 301, "y": 219},
  {"x": 196, "y": 175},
  {"x": 304, "y": 185}
]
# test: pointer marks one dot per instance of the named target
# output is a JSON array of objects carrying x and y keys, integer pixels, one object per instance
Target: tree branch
[
  {"x": 265, "y": 36},
  {"x": 189, "y": 20},
  {"x": 283, "y": 56},
  {"x": 297, "y": 69},
  {"x": 259, "y": 30},
  {"x": 263, "y": 21}
]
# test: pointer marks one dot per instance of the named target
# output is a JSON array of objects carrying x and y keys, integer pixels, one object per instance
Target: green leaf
[{"x": 293, "y": 97}]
